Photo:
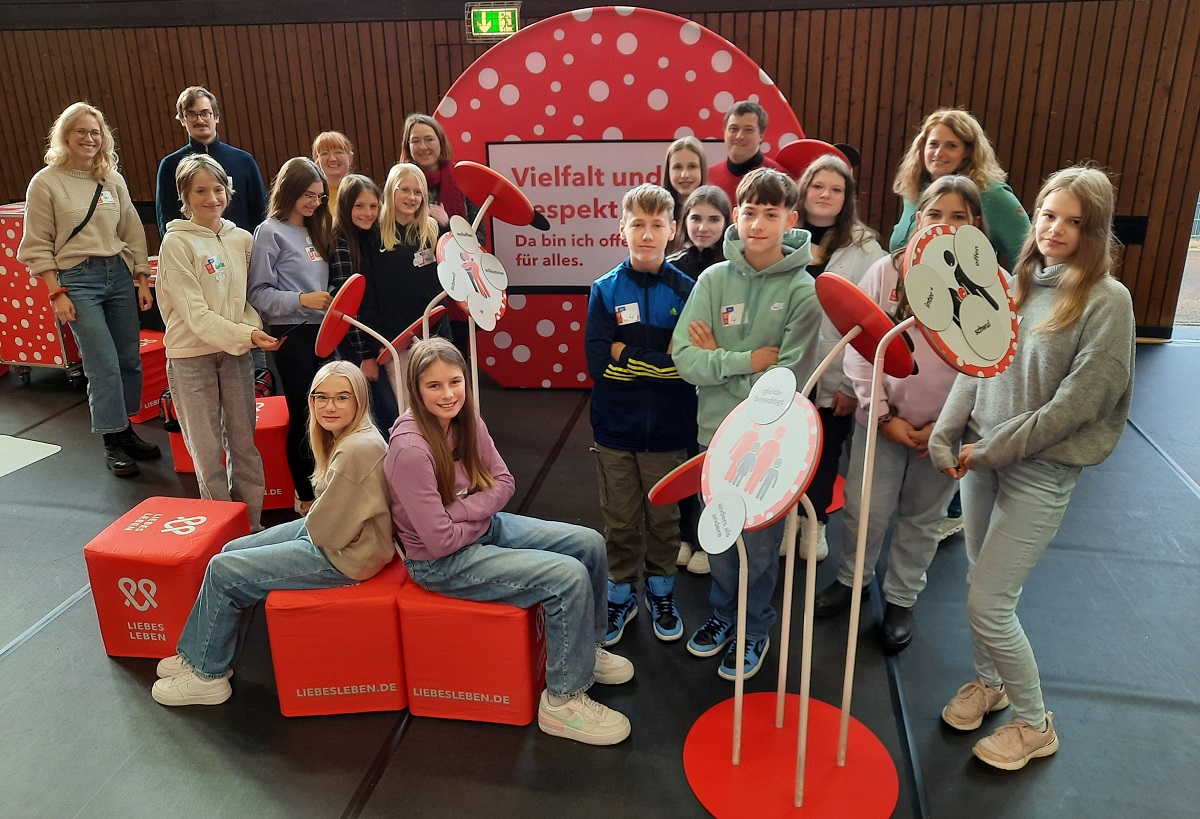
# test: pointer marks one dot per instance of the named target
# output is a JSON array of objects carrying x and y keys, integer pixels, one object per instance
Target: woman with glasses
[
  {"x": 289, "y": 285},
  {"x": 345, "y": 538},
  {"x": 424, "y": 144},
  {"x": 83, "y": 238},
  {"x": 401, "y": 272}
]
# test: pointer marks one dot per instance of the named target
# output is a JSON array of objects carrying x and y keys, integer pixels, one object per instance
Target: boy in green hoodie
[{"x": 754, "y": 311}]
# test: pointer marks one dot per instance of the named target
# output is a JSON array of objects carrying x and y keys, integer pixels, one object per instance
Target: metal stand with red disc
[
  {"x": 342, "y": 313},
  {"x": 473, "y": 278},
  {"x": 961, "y": 303}
]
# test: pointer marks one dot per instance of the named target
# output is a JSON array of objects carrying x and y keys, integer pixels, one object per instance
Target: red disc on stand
[
  {"x": 848, "y": 307},
  {"x": 409, "y": 334},
  {"x": 797, "y": 156},
  {"x": 345, "y": 303},
  {"x": 479, "y": 182},
  {"x": 679, "y": 483},
  {"x": 763, "y": 785}
]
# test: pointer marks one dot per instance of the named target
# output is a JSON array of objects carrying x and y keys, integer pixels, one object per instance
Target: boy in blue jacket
[{"x": 643, "y": 413}]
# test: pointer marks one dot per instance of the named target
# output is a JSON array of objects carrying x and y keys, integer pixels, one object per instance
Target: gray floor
[{"x": 1110, "y": 610}]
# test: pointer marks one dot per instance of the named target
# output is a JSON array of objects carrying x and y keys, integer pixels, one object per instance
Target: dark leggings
[
  {"x": 836, "y": 429},
  {"x": 297, "y": 363}
]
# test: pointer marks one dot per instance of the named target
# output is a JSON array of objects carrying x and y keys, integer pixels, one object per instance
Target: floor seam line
[
  {"x": 1187, "y": 479},
  {"x": 26, "y": 635}
]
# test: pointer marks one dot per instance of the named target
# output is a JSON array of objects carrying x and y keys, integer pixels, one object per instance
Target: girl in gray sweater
[{"x": 1022, "y": 439}]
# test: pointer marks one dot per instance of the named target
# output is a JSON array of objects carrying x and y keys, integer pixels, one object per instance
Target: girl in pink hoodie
[{"x": 906, "y": 483}]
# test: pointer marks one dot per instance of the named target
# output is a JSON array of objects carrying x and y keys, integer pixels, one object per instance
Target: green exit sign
[{"x": 492, "y": 21}]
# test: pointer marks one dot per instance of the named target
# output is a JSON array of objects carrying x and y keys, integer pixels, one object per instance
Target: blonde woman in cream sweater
[
  {"x": 211, "y": 328},
  {"x": 84, "y": 239}
]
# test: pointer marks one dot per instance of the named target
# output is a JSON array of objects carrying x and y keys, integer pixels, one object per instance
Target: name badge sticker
[
  {"x": 628, "y": 313},
  {"x": 215, "y": 266},
  {"x": 423, "y": 257},
  {"x": 731, "y": 314},
  {"x": 106, "y": 198}
]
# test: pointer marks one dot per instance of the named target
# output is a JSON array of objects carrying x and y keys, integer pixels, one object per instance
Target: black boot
[
  {"x": 896, "y": 630},
  {"x": 137, "y": 449},
  {"x": 834, "y": 599},
  {"x": 118, "y": 459}
]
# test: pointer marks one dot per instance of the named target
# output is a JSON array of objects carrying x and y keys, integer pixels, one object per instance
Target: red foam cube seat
[
  {"x": 154, "y": 374},
  {"x": 270, "y": 437},
  {"x": 146, "y": 569},
  {"x": 474, "y": 661},
  {"x": 337, "y": 651}
]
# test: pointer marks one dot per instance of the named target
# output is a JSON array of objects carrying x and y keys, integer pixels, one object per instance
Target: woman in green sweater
[{"x": 953, "y": 141}]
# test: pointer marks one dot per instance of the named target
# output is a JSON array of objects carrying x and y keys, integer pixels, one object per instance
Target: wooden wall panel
[{"x": 1114, "y": 81}]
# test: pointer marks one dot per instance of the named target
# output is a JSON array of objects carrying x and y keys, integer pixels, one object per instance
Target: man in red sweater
[{"x": 745, "y": 125}]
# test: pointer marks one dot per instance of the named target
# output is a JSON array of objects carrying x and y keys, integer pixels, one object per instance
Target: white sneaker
[
  {"x": 582, "y": 719},
  {"x": 612, "y": 669},
  {"x": 949, "y": 526},
  {"x": 685, "y": 553},
  {"x": 699, "y": 563},
  {"x": 822, "y": 543},
  {"x": 189, "y": 688},
  {"x": 173, "y": 665}
]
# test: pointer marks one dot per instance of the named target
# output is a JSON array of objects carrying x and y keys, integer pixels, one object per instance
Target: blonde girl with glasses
[
  {"x": 289, "y": 285},
  {"x": 85, "y": 240},
  {"x": 345, "y": 538}
]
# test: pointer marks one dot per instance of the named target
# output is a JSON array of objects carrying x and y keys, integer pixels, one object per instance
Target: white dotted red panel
[
  {"x": 538, "y": 343},
  {"x": 29, "y": 335}
]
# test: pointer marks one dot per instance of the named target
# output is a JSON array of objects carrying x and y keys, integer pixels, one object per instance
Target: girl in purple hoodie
[{"x": 448, "y": 486}]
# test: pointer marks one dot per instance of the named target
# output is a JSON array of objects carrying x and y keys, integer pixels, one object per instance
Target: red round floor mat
[{"x": 763, "y": 785}]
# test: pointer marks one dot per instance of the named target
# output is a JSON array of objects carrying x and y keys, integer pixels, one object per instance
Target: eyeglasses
[
  {"x": 321, "y": 400},
  {"x": 83, "y": 132},
  {"x": 314, "y": 197},
  {"x": 405, "y": 190},
  {"x": 196, "y": 116},
  {"x": 429, "y": 140}
]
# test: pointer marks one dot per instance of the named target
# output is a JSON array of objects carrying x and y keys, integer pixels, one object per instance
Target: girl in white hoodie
[
  {"x": 210, "y": 330},
  {"x": 844, "y": 246}
]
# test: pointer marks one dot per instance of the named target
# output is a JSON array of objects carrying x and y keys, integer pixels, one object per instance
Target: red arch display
[{"x": 568, "y": 95}]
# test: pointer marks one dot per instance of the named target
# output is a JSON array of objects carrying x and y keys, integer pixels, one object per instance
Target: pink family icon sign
[
  {"x": 757, "y": 468},
  {"x": 469, "y": 275}
]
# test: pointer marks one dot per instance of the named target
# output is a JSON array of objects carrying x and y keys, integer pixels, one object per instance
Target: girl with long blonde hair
[
  {"x": 448, "y": 487},
  {"x": 345, "y": 538},
  {"x": 401, "y": 273},
  {"x": 1018, "y": 442},
  {"x": 84, "y": 238}
]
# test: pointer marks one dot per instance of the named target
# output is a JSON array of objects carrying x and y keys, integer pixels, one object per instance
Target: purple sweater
[{"x": 427, "y": 528}]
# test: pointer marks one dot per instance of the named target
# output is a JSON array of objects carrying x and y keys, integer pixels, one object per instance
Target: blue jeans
[
  {"x": 282, "y": 557},
  {"x": 762, "y": 572},
  {"x": 1010, "y": 516},
  {"x": 106, "y": 328},
  {"x": 523, "y": 562}
]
